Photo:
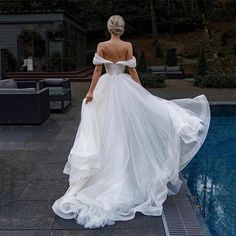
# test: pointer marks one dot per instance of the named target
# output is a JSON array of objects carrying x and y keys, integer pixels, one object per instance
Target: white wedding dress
[{"x": 129, "y": 149}]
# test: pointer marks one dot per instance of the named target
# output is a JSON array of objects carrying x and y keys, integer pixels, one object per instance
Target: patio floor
[{"x": 31, "y": 162}]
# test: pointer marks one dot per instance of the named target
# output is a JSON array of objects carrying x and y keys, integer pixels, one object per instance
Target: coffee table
[{"x": 60, "y": 98}]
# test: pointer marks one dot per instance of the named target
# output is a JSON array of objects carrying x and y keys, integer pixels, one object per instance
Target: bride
[{"x": 130, "y": 145}]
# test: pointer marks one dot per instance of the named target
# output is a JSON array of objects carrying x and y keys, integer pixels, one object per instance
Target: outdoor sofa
[
  {"x": 171, "y": 72},
  {"x": 47, "y": 83},
  {"x": 59, "y": 93},
  {"x": 21, "y": 103}
]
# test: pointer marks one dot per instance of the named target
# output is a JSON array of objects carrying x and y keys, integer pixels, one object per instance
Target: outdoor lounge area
[{"x": 29, "y": 102}]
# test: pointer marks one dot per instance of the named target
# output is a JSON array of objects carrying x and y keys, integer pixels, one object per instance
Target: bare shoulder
[
  {"x": 100, "y": 48},
  {"x": 129, "y": 47},
  {"x": 127, "y": 44},
  {"x": 100, "y": 45},
  {"x": 129, "y": 50},
  {"x": 103, "y": 45}
]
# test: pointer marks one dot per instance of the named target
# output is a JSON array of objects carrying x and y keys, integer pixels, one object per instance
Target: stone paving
[
  {"x": 179, "y": 88},
  {"x": 184, "y": 88},
  {"x": 32, "y": 159}
]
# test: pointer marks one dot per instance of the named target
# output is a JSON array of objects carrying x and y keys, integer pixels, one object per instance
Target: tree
[
  {"x": 204, "y": 9},
  {"x": 171, "y": 57},
  {"x": 142, "y": 67},
  {"x": 202, "y": 65},
  {"x": 154, "y": 22},
  {"x": 158, "y": 51},
  {"x": 171, "y": 17}
]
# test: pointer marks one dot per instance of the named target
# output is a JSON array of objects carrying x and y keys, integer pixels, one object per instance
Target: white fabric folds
[{"x": 129, "y": 149}]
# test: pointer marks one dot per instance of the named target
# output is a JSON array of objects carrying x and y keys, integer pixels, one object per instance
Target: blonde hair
[{"x": 116, "y": 25}]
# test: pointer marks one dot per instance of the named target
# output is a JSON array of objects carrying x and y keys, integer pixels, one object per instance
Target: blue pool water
[{"x": 211, "y": 177}]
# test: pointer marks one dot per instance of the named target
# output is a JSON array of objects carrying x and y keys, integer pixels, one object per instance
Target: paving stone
[
  {"x": 14, "y": 177},
  {"x": 136, "y": 232},
  {"x": 67, "y": 224},
  {"x": 45, "y": 171},
  {"x": 44, "y": 190},
  {"x": 92, "y": 232},
  {"x": 24, "y": 232},
  {"x": 27, "y": 215},
  {"x": 140, "y": 221}
]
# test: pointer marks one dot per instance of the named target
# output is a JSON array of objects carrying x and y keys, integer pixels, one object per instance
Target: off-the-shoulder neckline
[{"x": 113, "y": 62}]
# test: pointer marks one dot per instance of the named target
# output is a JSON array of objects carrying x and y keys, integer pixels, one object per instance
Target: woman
[{"x": 130, "y": 145}]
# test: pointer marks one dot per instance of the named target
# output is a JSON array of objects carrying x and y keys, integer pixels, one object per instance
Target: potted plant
[{"x": 56, "y": 61}]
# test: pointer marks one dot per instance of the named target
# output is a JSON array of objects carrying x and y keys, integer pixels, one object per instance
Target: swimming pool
[{"x": 211, "y": 175}]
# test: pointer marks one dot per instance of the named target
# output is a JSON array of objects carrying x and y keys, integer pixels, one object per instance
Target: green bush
[
  {"x": 10, "y": 61},
  {"x": 216, "y": 80},
  {"x": 226, "y": 36},
  {"x": 224, "y": 39},
  {"x": 171, "y": 57},
  {"x": 150, "y": 80},
  {"x": 56, "y": 58},
  {"x": 158, "y": 51},
  {"x": 56, "y": 61},
  {"x": 147, "y": 78},
  {"x": 69, "y": 64},
  {"x": 234, "y": 49},
  {"x": 201, "y": 65},
  {"x": 142, "y": 66}
]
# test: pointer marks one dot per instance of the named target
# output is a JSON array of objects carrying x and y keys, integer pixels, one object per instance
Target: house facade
[{"x": 53, "y": 41}]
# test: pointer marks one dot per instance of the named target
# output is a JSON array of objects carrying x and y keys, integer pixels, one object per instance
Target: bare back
[{"x": 115, "y": 50}]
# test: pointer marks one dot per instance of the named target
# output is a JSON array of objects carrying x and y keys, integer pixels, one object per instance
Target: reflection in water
[{"x": 211, "y": 177}]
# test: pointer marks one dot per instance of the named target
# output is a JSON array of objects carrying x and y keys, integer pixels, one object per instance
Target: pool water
[{"x": 211, "y": 177}]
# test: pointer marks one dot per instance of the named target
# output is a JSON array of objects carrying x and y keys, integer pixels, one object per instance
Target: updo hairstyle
[{"x": 116, "y": 25}]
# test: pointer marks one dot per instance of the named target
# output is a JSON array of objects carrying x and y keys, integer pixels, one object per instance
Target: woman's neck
[{"x": 115, "y": 37}]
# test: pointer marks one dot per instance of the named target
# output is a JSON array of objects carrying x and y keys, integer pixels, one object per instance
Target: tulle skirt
[{"x": 128, "y": 151}]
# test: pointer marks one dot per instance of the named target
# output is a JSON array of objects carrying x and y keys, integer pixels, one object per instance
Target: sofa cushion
[
  {"x": 172, "y": 68},
  {"x": 157, "y": 68},
  {"x": 174, "y": 72},
  {"x": 54, "y": 81},
  {"x": 8, "y": 83},
  {"x": 17, "y": 90},
  {"x": 159, "y": 72}
]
